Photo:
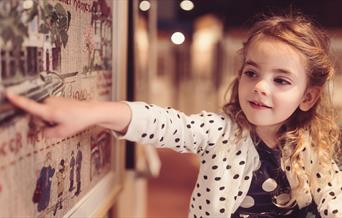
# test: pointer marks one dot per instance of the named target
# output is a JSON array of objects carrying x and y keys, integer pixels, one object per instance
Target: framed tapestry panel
[{"x": 75, "y": 49}]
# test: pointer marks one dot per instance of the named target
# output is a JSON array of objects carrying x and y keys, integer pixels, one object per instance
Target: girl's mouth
[{"x": 258, "y": 105}]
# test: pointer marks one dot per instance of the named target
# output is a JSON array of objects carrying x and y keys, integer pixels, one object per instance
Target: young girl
[{"x": 270, "y": 154}]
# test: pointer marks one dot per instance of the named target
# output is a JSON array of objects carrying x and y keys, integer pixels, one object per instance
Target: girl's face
[{"x": 272, "y": 83}]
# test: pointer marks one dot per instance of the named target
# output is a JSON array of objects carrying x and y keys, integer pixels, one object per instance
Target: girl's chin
[
  {"x": 264, "y": 123},
  {"x": 270, "y": 126}
]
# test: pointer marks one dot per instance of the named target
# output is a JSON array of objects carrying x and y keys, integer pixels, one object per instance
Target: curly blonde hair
[{"x": 300, "y": 33}]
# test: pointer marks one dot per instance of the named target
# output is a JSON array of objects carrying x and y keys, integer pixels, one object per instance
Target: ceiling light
[
  {"x": 187, "y": 5},
  {"x": 178, "y": 38},
  {"x": 145, "y": 5}
]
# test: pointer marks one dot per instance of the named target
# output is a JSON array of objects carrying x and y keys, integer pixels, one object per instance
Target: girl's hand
[{"x": 64, "y": 117}]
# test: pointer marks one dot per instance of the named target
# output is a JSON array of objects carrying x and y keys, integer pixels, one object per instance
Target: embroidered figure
[
  {"x": 72, "y": 172},
  {"x": 78, "y": 169},
  {"x": 60, "y": 175},
  {"x": 42, "y": 191}
]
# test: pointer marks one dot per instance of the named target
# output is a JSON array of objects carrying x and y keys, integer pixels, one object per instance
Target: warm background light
[
  {"x": 177, "y": 38},
  {"x": 187, "y": 5},
  {"x": 144, "y": 5}
]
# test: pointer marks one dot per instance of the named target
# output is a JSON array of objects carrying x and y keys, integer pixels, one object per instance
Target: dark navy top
[{"x": 270, "y": 190}]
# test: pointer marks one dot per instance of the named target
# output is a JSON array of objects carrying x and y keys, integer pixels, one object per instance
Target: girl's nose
[{"x": 261, "y": 87}]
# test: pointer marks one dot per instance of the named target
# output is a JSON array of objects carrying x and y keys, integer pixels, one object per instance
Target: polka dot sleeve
[
  {"x": 326, "y": 194},
  {"x": 166, "y": 127}
]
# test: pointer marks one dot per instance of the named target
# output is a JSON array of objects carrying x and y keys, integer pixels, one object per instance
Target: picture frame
[
  {"x": 83, "y": 78},
  {"x": 99, "y": 200}
]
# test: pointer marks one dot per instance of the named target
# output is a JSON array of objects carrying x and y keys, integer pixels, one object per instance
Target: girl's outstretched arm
[{"x": 70, "y": 116}]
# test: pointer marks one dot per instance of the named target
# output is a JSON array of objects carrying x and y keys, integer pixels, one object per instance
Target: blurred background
[
  {"x": 179, "y": 53},
  {"x": 185, "y": 55}
]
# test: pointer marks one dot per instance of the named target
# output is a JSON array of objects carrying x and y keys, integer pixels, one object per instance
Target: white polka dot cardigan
[{"x": 227, "y": 163}]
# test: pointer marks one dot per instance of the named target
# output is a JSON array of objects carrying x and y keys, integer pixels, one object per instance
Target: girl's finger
[
  {"x": 28, "y": 105},
  {"x": 51, "y": 132},
  {"x": 57, "y": 131}
]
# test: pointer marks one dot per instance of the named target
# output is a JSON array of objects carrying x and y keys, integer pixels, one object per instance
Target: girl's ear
[{"x": 310, "y": 97}]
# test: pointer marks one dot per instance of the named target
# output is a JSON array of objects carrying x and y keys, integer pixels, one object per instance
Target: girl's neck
[{"x": 268, "y": 135}]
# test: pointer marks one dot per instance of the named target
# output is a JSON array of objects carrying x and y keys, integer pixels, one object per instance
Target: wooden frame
[{"x": 99, "y": 200}]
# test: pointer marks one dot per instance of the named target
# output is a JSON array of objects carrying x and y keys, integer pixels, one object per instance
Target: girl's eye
[
  {"x": 281, "y": 81},
  {"x": 249, "y": 73}
]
